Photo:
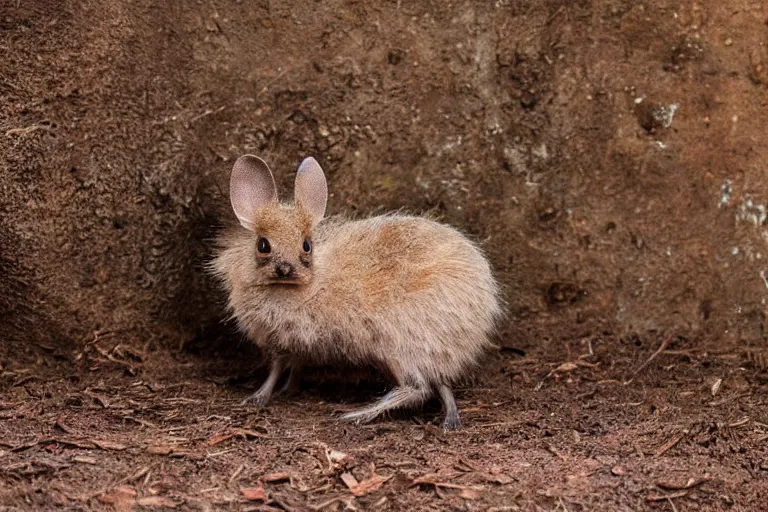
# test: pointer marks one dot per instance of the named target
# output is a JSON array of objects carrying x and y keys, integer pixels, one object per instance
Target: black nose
[{"x": 284, "y": 269}]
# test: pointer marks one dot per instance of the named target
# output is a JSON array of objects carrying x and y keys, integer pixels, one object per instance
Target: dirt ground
[
  {"x": 609, "y": 157},
  {"x": 572, "y": 427}
]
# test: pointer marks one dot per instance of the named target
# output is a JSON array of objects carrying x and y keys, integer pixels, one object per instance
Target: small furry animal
[{"x": 407, "y": 295}]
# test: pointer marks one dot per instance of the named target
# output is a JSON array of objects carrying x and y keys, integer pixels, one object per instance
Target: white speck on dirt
[
  {"x": 665, "y": 114},
  {"x": 452, "y": 143},
  {"x": 494, "y": 129},
  {"x": 726, "y": 191},
  {"x": 515, "y": 158},
  {"x": 735, "y": 251},
  {"x": 541, "y": 151},
  {"x": 764, "y": 278},
  {"x": 660, "y": 145},
  {"x": 754, "y": 213}
]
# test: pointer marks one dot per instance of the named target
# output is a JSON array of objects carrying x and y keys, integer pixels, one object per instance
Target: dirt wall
[{"x": 609, "y": 155}]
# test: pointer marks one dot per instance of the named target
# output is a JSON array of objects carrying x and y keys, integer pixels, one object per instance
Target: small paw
[
  {"x": 257, "y": 400},
  {"x": 452, "y": 423},
  {"x": 350, "y": 417},
  {"x": 356, "y": 417}
]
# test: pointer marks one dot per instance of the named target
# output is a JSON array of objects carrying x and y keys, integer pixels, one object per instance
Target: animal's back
[
  {"x": 405, "y": 291},
  {"x": 384, "y": 260}
]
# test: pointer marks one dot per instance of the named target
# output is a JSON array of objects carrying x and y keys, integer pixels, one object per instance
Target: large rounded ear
[
  {"x": 311, "y": 189},
  {"x": 251, "y": 187}
]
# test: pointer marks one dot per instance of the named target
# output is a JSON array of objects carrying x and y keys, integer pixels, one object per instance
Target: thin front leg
[
  {"x": 399, "y": 397},
  {"x": 262, "y": 396},
  {"x": 452, "y": 421}
]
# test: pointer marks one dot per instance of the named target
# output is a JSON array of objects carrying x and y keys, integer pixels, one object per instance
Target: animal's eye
[
  {"x": 263, "y": 246},
  {"x": 307, "y": 246}
]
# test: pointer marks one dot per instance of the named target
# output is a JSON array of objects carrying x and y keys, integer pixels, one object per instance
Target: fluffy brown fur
[{"x": 409, "y": 295}]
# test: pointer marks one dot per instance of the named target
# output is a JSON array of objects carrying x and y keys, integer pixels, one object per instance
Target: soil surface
[
  {"x": 582, "y": 426},
  {"x": 609, "y": 157}
]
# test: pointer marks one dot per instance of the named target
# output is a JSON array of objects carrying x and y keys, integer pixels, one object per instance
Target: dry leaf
[
  {"x": 470, "y": 494},
  {"x": 349, "y": 480},
  {"x": 336, "y": 456},
  {"x": 716, "y": 387},
  {"x": 121, "y": 498},
  {"x": 156, "y": 501},
  {"x": 109, "y": 445},
  {"x": 566, "y": 367},
  {"x": 253, "y": 493},
  {"x": 369, "y": 485},
  {"x": 160, "y": 449},
  {"x": 275, "y": 477},
  {"x": 499, "y": 478}
]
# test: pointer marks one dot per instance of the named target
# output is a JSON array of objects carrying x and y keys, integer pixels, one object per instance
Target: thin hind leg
[
  {"x": 399, "y": 398},
  {"x": 452, "y": 421},
  {"x": 264, "y": 393}
]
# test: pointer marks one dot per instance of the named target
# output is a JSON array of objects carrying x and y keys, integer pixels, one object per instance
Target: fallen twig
[
  {"x": 272, "y": 478},
  {"x": 26, "y": 130},
  {"x": 136, "y": 475},
  {"x": 664, "y": 345},
  {"x": 236, "y": 473},
  {"x": 671, "y": 443},
  {"x": 689, "y": 484}
]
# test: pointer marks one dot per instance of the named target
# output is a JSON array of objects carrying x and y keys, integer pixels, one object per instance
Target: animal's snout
[{"x": 284, "y": 270}]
